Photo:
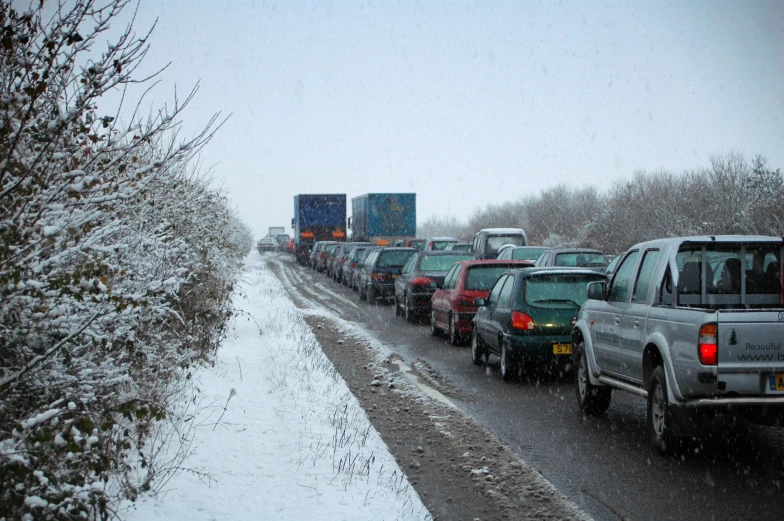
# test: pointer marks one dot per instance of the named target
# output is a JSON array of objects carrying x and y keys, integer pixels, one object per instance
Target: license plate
[
  {"x": 776, "y": 383},
  {"x": 394, "y": 276},
  {"x": 562, "y": 349}
]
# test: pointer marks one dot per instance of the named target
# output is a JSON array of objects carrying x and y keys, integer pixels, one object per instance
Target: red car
[{"x": 452, "y": 305}]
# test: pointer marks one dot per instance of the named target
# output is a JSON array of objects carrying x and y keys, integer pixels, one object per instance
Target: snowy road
[{"x": 604, "y": 465}]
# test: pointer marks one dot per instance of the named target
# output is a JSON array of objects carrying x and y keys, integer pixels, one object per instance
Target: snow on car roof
[{"x": 502, "y": 230}]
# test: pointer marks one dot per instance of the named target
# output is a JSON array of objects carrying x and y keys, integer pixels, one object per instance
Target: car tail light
[
  {"x": 353, "y": 265},
  {"x": 522, "y": 321},
  {"x": 708, "y": 351},
  {"x": 379, "y": 276},
  {"x": 421, "y": 281}
]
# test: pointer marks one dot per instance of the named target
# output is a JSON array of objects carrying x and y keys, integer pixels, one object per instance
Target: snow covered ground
[{"x": 278, "y": 433}]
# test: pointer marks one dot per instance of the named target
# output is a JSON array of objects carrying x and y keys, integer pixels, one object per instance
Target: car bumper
[
  {"x": 382, "y": 290},
  {"x": 464, "y": 322},
  {"x": 540, "y": 348}
]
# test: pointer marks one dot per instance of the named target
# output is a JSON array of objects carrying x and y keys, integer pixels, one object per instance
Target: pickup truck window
[
  {"x": 735, "y": 275},
  {"x": 665, "y": 295},
  {"x": 645, "y": 275},
  {"x": 622, "y": 281}
]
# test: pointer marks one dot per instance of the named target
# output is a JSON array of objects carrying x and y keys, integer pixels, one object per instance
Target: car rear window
[
  {"x": 562, "y": 290},
  {"x": 581, "y": 260},
  {"x": 494, "y": 242},
  {"x": 527, "y": 254},
  {"x": 440, "y": 245},
  {"x": 393, "y": 259},
  {"x": 331, "y": 247},
  {"x": 482, "y": 278},
  {"x": 441, "y": 262}
]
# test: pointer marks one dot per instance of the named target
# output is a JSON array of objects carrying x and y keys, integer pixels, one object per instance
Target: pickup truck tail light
[
  {"x": 522, "y": 321},
  {"x": 421, "y": 281},
  {"x": 708, "y": 351}
]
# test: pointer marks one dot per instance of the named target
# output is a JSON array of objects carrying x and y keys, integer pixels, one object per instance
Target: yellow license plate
[
  {"x": 776, "y": 382},
  {"x": 562, "y": 349},
  {"x": 394, "y": 276}
]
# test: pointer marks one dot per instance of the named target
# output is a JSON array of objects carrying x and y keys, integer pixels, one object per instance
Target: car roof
[
  {"x": 491, "y": 262},
  {"x": 575, "y": 250},
  {"x": 491, "y": 231},
  {"x": 554, "y": 270},
  {"x": 443, "y": 239},
  {"x": 436, "y": 253},
  {"x": 711, "y": 238}
]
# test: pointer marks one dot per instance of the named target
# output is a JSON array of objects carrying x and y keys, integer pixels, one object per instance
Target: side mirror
[
  {"x": 480, "y": 302},
  {"x": 597, "y": 290}
]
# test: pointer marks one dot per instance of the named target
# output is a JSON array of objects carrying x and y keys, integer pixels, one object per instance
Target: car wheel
[
  {"x": 478, "y": 355},
  {"x": 433, "y": 329},
  {"x": 592, "y": 399},
  {"x": 408, "y": 311},
  {"x": 508, "y": 363},
  {"x": 371, "y": 295},
  {"x": 454, "y": 336},
  {"x": 361, "y": 293},
  {"x": 659, "y": 423}
]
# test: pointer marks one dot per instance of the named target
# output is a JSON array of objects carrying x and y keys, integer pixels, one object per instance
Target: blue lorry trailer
[
  {"x": 383, "y": 218},
  {"x": 317, "y": 217}
]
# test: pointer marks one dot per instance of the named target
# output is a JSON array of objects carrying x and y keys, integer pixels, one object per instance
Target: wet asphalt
[{"x": 604, "y": 464}]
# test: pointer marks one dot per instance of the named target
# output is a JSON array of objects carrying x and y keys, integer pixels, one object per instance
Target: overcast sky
[{"x": 466, "y": 103}]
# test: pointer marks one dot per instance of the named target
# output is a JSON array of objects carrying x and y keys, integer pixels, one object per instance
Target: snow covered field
[{"x": 292, "y": 443}]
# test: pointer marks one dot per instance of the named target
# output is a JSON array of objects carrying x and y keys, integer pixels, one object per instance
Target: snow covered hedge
[{"x": 116, "y": 267}]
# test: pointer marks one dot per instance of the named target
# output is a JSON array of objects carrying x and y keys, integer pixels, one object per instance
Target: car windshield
[
  {"x": 527, "y": 253},
  {"x": 440, "y": 245},
  {"x": 563, "y": 291},
  {"x": 494, "y": 242},
  {"x": 482, "y": 278},
  {"x": 393, "y": 259},
  {"x": 441, "y": 262},
  {"x": 581, "y": 259}
]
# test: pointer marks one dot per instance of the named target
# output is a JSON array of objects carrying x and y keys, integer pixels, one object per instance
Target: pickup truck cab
[{"x": 694, "y": 325}]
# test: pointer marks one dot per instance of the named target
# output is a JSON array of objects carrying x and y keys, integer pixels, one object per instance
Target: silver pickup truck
[{"x": 695, "y": 325}]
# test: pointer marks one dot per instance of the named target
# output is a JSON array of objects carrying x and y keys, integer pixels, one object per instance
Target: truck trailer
[
  {"x": 317, "y": 217},
  {"x": 383, "y": 218}
]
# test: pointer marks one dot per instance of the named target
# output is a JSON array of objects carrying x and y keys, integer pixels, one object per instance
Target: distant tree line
[
  {"x": 117, "y": 264},
  {"x": 731, "y": 196}
]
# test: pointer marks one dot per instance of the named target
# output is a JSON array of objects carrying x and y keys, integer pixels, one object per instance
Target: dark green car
[{"x": 527, "y": 318}]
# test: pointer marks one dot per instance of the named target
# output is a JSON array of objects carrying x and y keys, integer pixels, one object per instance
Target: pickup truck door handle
[
  {"x": 636, "y": 324},
  {"x": 617, "y": 320}
]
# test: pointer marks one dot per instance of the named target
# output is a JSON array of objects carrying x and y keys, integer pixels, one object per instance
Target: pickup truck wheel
[
  {"x": 508, "y": 363},
  {"x": 433, "y": 329},
  {"x": 592, "y": 399},
  {"x": 454, "y": 335},
  {"x": 658, "y": 418},
  {"x": 478, "y": 355}
]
